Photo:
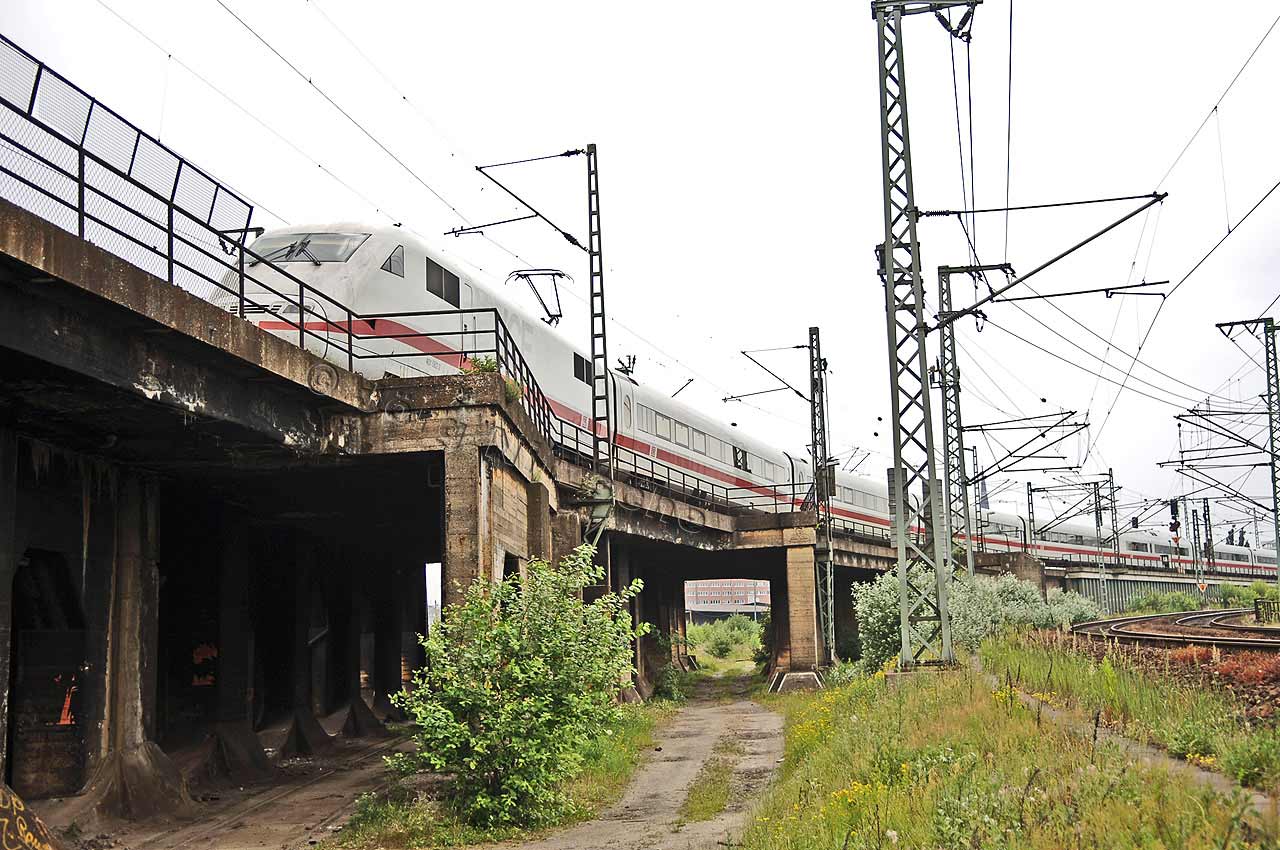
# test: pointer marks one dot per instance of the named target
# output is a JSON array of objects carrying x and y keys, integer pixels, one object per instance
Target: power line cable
[{"x": 1218, "y": 102}]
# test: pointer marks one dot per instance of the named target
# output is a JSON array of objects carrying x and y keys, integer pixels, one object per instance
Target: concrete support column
[
  {"x": 538, "y": 508},
  {"x": 467, "y": 550},
  {"x": 134, "y": 778},
  {"x": 387, "y": 645},
  {"x": 566, "y": 534},
  {"x": 846, "y": 615},
  {"x": 802, "y": 613},
  {"x": 360, "y": 721},
  {"x": 236, "y": 751},
  {"x": 8, "y": 566},
  {"x": 305, "y": 735}
]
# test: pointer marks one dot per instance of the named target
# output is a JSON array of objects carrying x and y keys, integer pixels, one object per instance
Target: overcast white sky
[{"x": 740, "y": 175}]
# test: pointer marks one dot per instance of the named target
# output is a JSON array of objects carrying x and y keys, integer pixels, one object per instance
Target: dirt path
[
  {"x": 647, "y": 816},
  {"x": 296, "y": 811}
]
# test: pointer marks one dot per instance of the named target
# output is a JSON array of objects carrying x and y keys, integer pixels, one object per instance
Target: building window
[
  {"x": 395, "y": 263},
  {"x": 582, "y": 368}
]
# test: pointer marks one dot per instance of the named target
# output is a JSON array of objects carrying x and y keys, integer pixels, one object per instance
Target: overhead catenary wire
[{"x": 379, "y": 208}]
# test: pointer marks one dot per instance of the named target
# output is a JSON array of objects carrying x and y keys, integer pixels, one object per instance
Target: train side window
[
  {"x": 682, "y": 433},
  {"x": 451, "y": 288},
  {"x": 582, "y": 368},
  {"x": 699, "y": 442},
  {"x": 740, "y": 459},
  {"x": 646, "y": 419},
  {"x": 713, "y": 448},
  {"x": 435, "y": 278},
  {"x": 395, "y": 262},
  {"x": 664, "y": 427}
]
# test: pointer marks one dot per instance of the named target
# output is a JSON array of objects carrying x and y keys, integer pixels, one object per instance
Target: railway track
[{"x": 1186, "y": 628}]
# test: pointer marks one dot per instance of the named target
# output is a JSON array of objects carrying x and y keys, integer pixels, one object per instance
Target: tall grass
[
  {"x": 937, "y": 760},
  {"x": 1202, "y": 724}
]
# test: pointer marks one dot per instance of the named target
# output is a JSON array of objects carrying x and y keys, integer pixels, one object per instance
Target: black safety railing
[
  {"x": 74, "y": 162},
  {"x": 79, "y": 165}
]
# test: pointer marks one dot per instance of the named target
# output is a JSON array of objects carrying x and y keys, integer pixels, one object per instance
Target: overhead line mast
[{"x": 925, "y": 623}]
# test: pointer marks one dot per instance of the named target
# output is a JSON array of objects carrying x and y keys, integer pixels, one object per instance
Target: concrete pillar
[
  {"x": 8, "y": 566},
  {"x": 538, "y": 544},
  {"x": 566, "y": 534},
  {"x": 387, "y": 645},
  {"x": 802, "y": 613},
  {"x": 466, "y": 523},
  {"x": 360, "y": 721},
  {"x": 235, "y": 749},
  {"x": 305, "y": 735},
  {"x": 846, "y": 616},
  {"x": 134, "y": 778}
]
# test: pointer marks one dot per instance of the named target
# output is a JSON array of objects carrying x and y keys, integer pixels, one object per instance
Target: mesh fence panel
[{"x": 50, "y": 130}]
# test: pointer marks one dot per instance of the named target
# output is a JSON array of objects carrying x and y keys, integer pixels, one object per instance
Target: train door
[{"x": 624, "y": 411}]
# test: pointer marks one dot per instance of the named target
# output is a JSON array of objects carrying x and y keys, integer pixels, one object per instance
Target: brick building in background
[{"x": 719, "y": 598}]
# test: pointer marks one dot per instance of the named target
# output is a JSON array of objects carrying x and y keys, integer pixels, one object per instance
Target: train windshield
[{"x": 309, "y": 247}]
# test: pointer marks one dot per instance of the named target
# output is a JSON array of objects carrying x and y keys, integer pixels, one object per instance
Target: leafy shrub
[
  {"x": 980, "y": 607},
  {"x": 842, "y": 673},
  {"x": 1234, "y": 596},
  {"x": 764, "y": 652},
  {"x": 721, "y": 637},
  {"x": 670, "y": 684},
  {"x": 1255, "y": 761},
  {"x": 1161, "y": 603},
  {"x": 519, "y": 679},
  {"x": 720, "y": 645},
  {"x": 482, "y": 365},
  {"x": 1192, "y": 736}
]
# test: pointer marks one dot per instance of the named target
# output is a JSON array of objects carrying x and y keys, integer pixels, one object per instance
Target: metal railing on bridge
[{"x": 76, "y": 163}]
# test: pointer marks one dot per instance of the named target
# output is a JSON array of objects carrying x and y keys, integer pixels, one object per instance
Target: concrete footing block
[
  {"x": 801, "y": 680},
  {"x": 136, "y": 784},
  {"x": 361, "y": 722},
  {"x": 385, "y": 711},
  {"x": 304, "y": 736},
  {"x": 234, "y": 753}
]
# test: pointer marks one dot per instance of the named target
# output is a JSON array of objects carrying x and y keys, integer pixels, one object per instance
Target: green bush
[
  {"x": 1255, "y": 761},
  {"x": 1192, "y": 736},
  {"x": 1161, "y": 603},
  {"x": 670, "y": 684},
  {"x": 721, "y": 637},
  {"x": 980, "y": 607},
  {"x": 720, "y": 645},
  {"x": 519, "y": 679}
]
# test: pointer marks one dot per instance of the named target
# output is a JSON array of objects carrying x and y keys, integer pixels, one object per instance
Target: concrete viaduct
[{"x": 212, "y": 539}]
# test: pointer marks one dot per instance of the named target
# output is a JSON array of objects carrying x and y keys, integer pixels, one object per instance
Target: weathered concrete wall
[{"x": 8, "y": 566}]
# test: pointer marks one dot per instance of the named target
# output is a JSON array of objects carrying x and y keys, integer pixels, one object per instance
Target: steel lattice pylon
[
  {"x": 823, "y": 481},
  {"x": 602, "y": 455},
  {"x": 1273, "y": 428},
  {"x": 1272, "y": 399},
  {"x": 955, "y": 484},
  {"x": 926, "y": 629}
]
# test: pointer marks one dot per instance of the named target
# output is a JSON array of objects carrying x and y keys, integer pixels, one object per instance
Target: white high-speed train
[{"x": 386, "y": 273}]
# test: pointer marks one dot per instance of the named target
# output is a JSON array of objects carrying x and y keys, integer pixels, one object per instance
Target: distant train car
[{"x": 415, "y": 294}]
